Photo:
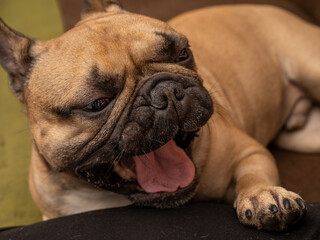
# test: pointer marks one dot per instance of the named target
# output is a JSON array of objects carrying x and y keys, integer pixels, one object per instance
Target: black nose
[{"x": 165, "y": 92}]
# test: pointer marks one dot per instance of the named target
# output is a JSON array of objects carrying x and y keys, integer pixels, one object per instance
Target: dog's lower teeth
[{"x": 122, "y": 172}]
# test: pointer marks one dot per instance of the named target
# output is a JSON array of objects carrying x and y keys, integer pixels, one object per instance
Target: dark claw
[
  {"x": 273, "y": 208},
  {"x": 286, "y": 203},
  {"x": 301, "y": 203},
  {"x": 248, "y": 214}
]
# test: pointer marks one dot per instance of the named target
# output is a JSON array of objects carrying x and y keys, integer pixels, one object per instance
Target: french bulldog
[{"x": 122, "y": 111}]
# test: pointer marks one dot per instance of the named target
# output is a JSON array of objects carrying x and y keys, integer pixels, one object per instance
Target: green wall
[{"x": 36, "y": 19}]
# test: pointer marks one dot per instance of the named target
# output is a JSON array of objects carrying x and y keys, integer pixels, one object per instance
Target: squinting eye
[
  {"x": 183, "y": 55},
  {"x": 97, "y": 105}
]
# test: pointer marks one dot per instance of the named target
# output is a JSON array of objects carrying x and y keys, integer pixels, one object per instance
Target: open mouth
[
  {"x": 166, "y": 169},
  {"x": 163, "y": 173}
]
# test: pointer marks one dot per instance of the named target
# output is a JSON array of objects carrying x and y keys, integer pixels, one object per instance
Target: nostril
[
  {"x": 178, "y": 93},
  {"x": 159, "y": 99}
]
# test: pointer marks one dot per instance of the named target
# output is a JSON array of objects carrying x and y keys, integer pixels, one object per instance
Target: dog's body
[{"x": 259, "y": 64}]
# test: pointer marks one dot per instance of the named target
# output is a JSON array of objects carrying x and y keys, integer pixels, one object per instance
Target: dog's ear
[
  {"x": 15, "y": 58},
  {"x": 94, "y": 6}
]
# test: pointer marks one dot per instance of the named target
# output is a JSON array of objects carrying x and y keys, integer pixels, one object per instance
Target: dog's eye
[
  {"x": 183, "y": 55},
  {"x": 97, "y": 105}
]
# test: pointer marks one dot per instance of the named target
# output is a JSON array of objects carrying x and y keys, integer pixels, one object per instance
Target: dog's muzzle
[{"x": 147, "y": 152}]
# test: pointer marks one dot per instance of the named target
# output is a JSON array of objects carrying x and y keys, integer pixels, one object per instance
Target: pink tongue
[{"x": 165, "y": 169}]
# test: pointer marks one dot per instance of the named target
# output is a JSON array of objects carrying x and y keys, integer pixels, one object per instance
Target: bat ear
[
  {"x": 95, "y": 6},
  {"x": 15, "y": 58},
  {"x": 112, "y": 6}
]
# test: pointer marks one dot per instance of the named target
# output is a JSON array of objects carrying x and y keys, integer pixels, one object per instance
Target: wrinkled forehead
[
  {"x": 123, "y": 34},
  {"x": 110, "y": 44},
  {"x": 110, "y": 41}
]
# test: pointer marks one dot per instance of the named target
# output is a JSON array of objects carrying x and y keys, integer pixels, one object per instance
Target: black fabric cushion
[{"x": 192, "y": 221}]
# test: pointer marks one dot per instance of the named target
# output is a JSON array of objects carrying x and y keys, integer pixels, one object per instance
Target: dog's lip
[{"x": 164, "y": 199}]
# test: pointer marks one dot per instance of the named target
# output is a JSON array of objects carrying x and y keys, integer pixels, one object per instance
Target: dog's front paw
[{"x": 269, "y": 208}]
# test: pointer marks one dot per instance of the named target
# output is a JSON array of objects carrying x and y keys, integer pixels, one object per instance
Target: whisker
[
  {"x": 109, "y": 171},
  {"x": 155, "y": 140},
  {"x": 23, "y": 131}
]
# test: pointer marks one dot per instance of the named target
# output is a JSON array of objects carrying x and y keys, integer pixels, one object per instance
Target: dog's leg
[
  {"x": 306, "y": 139},
  {"x": 259, "y": 202},
  {"x": 300, "y": 57}
]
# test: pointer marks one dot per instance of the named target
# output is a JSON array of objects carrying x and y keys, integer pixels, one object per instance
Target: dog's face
[{"x": 115, "y": 101}]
